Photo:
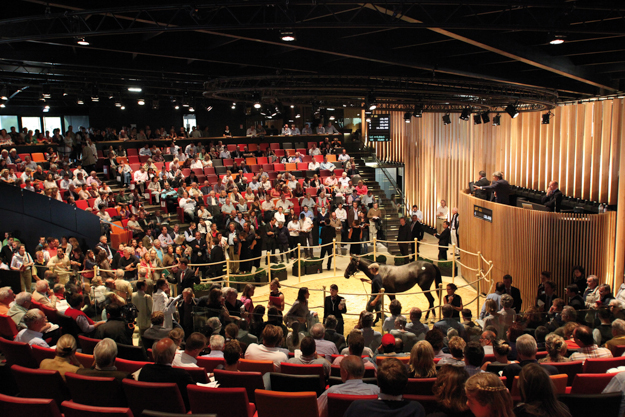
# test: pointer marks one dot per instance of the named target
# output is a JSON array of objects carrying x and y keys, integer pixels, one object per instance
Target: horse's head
[{"x": 352, "y": 267}]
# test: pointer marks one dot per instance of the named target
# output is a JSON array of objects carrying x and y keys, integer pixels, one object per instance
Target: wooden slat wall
[
  {"x": 579, "y": 149},
  {"x": 523, "y": 243}
]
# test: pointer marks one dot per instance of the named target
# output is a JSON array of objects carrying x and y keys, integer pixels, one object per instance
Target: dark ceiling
[{"x": 479, "y": 53}]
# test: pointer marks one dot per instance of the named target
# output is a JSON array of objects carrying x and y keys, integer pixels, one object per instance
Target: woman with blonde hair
[
  {"x": 421, "y": 364},
  {"x": 449, "y": 392},
  {"x": 487, "y": 396},
  {"x": 177, "y": 335},
  {"x": 65, "y": 357},
  {"x": 556, "y": 349}
]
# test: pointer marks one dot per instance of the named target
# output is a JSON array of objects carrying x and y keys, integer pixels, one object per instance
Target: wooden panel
[{"x": 524, "y": 242}]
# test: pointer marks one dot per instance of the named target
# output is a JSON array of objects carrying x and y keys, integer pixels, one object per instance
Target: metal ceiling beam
[{"x": 529, "y": 56}]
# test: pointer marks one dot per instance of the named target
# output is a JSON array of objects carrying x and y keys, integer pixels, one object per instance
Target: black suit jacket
[
  {"x": 164, "y": 373},
  {"x": 502, "y": 188},
  {"x": 553, "y": 200},
  {"x": 444, "y": 239},
  {"x": 483, "y": 194},
  {"x": 187, "y": 279},
  {"x": 404, "y": 233},
  {"x": 547, "y": 300},
  {"x": 417, "y": 230},
  {"x": 516, "y": 294}
]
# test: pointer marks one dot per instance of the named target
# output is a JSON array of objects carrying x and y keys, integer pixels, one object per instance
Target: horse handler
[{"x": 377, "y": 291}]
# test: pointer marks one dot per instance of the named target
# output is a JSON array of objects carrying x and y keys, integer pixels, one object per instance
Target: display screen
[
  {"x": 483, "y": 213},
  {"x": 379, "y": 128}
]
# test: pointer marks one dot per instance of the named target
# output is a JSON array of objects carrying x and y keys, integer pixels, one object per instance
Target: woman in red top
[{"x": 361, "y": 189}]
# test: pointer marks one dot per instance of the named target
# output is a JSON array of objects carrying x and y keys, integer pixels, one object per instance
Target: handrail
[{"x": 398, "y": 191}]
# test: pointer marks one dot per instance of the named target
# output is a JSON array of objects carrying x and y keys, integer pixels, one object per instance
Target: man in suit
[
  {"x": 554, "y": 196},
  {"x": 404, "y": 235},
  {"x": 513, "y": 292},
  {"x": 545, "y": 300},
  {"x": 217, "y": 255},
  {"x": 271, "y": 233},
  {"x": 185, "y": 310},
  {"x": 444, "y": 239},
  {"x": 162, "y": 370},
  {"x": 416, "y": 230},
  {"x": 500, "y": 188},
  {"x": 453, "y": 227},
  {"x": 482, "y": 182},
  {"x": 186, "y": 277},
  {"x": 352, "y": 213}
]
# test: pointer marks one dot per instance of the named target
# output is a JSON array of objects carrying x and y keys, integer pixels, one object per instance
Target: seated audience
[
  {"x": 421, "y": 364},
  {"x": 487, "y": 396},
  {"x": 456, "y": 347},
  {"x": 473, "y": 357},
  {"x": 217, "y": 346},
  {"x": 157, "y": 331},
  {"x": 232, "y": 354},
  {"x": 104, "y": 355},
  {"x": 556, "y": 349},
  {"x": 356, "y": 347},
  {"x": 269, "y": 350},
  {"x": 115, "y": 327},
  {"x": 309, "y": 356},
  {"x": 187, "y": 358},
  {"x": 449, "y": 392},
  {"x": 325, "y": 348},
  {"x": 587, "y": 346},
  {"x": 36, "y": 324},
  {"x": 537, "y": 395},
  {"x": 526, "y": 353},
  {"x": 65, "y": 357}
]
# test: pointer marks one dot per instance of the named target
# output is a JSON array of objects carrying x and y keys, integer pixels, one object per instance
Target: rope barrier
[{"x": 465, "y": 266}]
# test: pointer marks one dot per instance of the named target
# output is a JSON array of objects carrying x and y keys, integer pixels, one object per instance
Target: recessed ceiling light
[
  {"x": 177, "y": 107},
  {"x": 82, "y": 42},
  {"x": 134, "y": 89},
  {"x": 123, "y": 107},
  {"x": 191, "y": 109},
  {"x": 2, "y": 105},
  {"x": 79, "y": 101},
  {"x": 558, "y": 40},
  {"x": 141, "y": 102},
  {"x": 288, "y": 36}
]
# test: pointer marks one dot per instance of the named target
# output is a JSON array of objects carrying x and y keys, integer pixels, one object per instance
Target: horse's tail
[{"x": 438, "y": 279}]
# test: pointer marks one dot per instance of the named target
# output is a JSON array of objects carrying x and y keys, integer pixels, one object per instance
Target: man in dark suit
[
  {"x": 575, "y": 300},
  {"x": 545, "y": 300},
  {"x": 162, "y": 371},
  {"x": 271, "y": 234},
  {"x": 416, "y": 231},
  {"x": 499, "y": 187},
  {"x": 186, "y": 277},
  {"x": 217, "y": 255},
  {"x": 352, "y": 214},
  {"x": 185, "y": 310},
  {"x": 444, "y": 239},
  {"x": 116, "y": 327},
  {"x": 513, "y": 292},
  {"x": 104, "y": 355},
  {"x": 482, "y": 182},
  {"x": 404, "y": 235},
  {"x": 554, "y": 196}
]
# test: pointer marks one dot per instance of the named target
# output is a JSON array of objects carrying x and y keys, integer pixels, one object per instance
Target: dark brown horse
[{"x": 397, "y": 279}]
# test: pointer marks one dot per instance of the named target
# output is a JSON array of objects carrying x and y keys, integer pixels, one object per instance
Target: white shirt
[
  {"x": 141, "y": 176},
  {"x": 258, "y": 352},
  {"x": 417, "y": 213},
  {"x": 344, "y": 181},
  {"x": 187, "y": 204},
  {"x": 31, "y": 337},
  {"x": 279, "y": 216},
  {"x": 145, "y": 152},
  {"x": 293, "y": 228},
  {"x": 183, "y": 359},
  {"x": 341, "y": 214},
  {"x": 313, "y": 166},
  {"x": 442, "y": 212},
  {"x": 344, "y": 157},
  {"x": 306, "y": 226}
]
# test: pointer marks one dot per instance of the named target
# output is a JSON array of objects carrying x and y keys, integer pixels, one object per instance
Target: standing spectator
[
  {"x": 442, "y": 215},
  {"x": 334, "y": 305},
  {"x": 143, "y": 302},
  {"x": 404, "y": 234},
  {"x": 23, "y": 263},
  {"x": 444, "y": 239}
]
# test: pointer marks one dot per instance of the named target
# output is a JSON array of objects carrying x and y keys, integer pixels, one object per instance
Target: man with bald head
[
  {"x": 352, "y": 371},
  {"x": 162, "y": 370}
]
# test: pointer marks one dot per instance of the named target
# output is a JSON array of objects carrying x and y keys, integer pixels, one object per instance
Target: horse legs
[{"x": 431, "y": 302}]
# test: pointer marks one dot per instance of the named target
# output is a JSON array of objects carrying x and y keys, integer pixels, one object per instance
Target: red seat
[
  {"x": 132, "y": 151},
  {"x": 289, "y": 152},
  {"x": 231, "y": 148},
  {"x": 251, "y": 381},
  {"x": 50, "y": 313},
  {"x": 18, "y": 353},
  {"x": 307, "y": 159},
  {"x": 72, "y": 409},
  {"x": 41, "y": 353},
  {"x": 279, "y": 167},
  {"x": 129, "y": 366},
  {"x": 209, "y": 171},
  {"x": 268, "y": 167},
  {"x": 339, "y": 403},
  {"x": 40, "y": 383},
  {"x": 39, "y": 407},
  {"x": 296, "y": 369},
  {"x": 164, "y": 397},
  {"x": 133, "y": 160},
  {"x": 279, "y": 404},
  {"x": 198, "y": 172},
  {"x": 135, "y": 166},
  {"x": 85, "y": 360},
  {"x": 143, "y": 159},
  {"x": 279, "y": 152},
  {"x": 590, "y": 383},
  {"x": 8, "y": 329},
  {"x": 569, "y": 368},
  {"x": 273, "y": 146},
  {"x": 262, "y": 160},
  {"x": 82, "y": 204},
  {"x": 319, "y": 158},
  {"x": 255, "y": 168},
  {"x": 238, "y": 160},
  {"x": 186, "y": 172},
  {"x": 232, "y": 402},
  {"x": 601, "y": 365},
  {"x": 420, "y": 386},
  {"x": 95, "y": 391},
  {"x": 197, "y": 374},
  {"x": 302, "y": 166},
  {"x": 159, "y": 165},
  {"x": 247, "y": 365},
  {"x": 228, "y": 162}
]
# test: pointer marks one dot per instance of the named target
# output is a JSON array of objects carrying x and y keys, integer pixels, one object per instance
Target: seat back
[
  {"x": 588, "y": 405},
  {"x": 95, "y": 391},
  {"x": 41, "y": 353},
  {"x": 73, "y": 409},
  {"x": 339, "y": 403},
  {"x": 17, "y": 406},
  {"x": 8, "y": 329},
  {"x": 153, "y": 396},
  {"x": 618, "y": 351},
  {"x": 251, "y": 381},
  {"x": 569, "y": 368},
  {"x": 402, "y": 359},
  {"x": 87, "y": 344},
  {"x": 420, "y": 386},
  {"x": 429, "y": 402},
  {"x": 601, "y": 365},
  {"x": 246, "y": 365},
  {"x": 232, "y": 402},
  {"x": 590, "y": 383},
  {"x": 210, "y": 363},
  {"x": 284, "y": 404},
  {"x": 129, "y": 366},
  {"x": 295, "y": 383},
  {"x": 296, "y": 369},
  {"x": 559, "y": 385},
  {"x": 50, "y": 313},
  {"x": 40, "y": 383},
  {"x": 85, "y": 360},
  {"x": 198, "y": 374},
  {"x": 18, "y": 353},
  {"x": 131, "y": 353}
]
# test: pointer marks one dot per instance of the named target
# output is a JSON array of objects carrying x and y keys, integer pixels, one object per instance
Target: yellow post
[
  {"x": 227, "y": 272},
  {"x": 299, "y": 262},
  {"x": 268, "y": 273},
  {"x": 382, "y": 312},
  {"x": 334, "y": 255},
  {"x": 416, "y": 249},
  {"x": 440, "y": 300},
  {"x": 324, "y": 292},
  {"x": 95, "y": 273},
  {"x": 453, "y": 264},
  {"x": 479, "y": 281},
  {"x": 375, "y": 250}
]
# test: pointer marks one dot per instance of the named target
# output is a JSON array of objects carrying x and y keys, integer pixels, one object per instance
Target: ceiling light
[
  {"x": 257, "y": 105},
  {"x": 546, "y": 117},
  {"x": 2, "y": 105},
  {"x": 118, "y": 104},
  {"x": 297, "y": 116},
  {"x": 371, "y": 102},
  {"x": 330, "y": 108},
  {"x": 485, "y": 117},
  {"x": 3, "y": 93},
  {"x": 465, "y": 114},
  {"x": 558, "y": 39},
  {"x": 418, "y": 110},
  {"x": 46, "y": 91},
  {"x": 209, "y": 108},
  {"x": 292, "y": 106},
  {"x": 82, "y": 42},
  {"x": 185, "y": 104},
  {"x": 134, "y": 89},
  {"x": 477, "y": 120},
  {"x": 287, "y": 35},
  {"x": 332, "y": 117},
  {"x": 156, "y": 104},
  {"x": 95, "y": 99},
  {"x": 497, "y": 120},
  {"x": 141, "y": 102},
  {"x": 407, "y": 117},
  {"x": 446, "y": 119},
  {"x": 512, "y": 111},
  {"x": 191, "y": 109},
  {"x": 79, "y": 101},
  {"x": 123, "y": 107},
  {"x": 234, "y": 106},
  {"x": 46, "y": 109},
  {"x": 368, "y": 119},
  {"x": 176, "y": 107}
]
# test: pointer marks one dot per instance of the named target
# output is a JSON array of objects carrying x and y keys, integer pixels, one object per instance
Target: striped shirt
[{"x": 590, "y": 352}]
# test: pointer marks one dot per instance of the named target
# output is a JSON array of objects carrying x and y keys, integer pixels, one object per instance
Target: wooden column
[{"x": 619, "y": 251}]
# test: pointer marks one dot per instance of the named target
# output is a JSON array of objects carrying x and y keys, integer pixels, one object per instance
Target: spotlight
[
  {"x": 512, "y": 111},
  {"x": 558, "y": 39},
  {"x": 497, "y": 120},
  {"x": 134, "y": 89},
  {"x": 46, "y": 109},
  {"x": 297, "y": 116},
  {"x": 234, "y": 106},
  {"x": 368, "y": 119},
  {"x": 2, "y": 105},
  {"x": 209, "y": 108},
  {"x": 287, "y": 35},
  {"x": 546, "y": 117},
  {"x": 95, "y": 99},
  {"x": 292, "y": 106},
  {"x": 418, "y": 110},
  {"x": 332, "y": 117},
  {"x": 485, "y": 117},
  {"x": 477, "y": 120},
  {"x": 123, "y": 108},
  {"x": 256, "y": 97},
  {"x": 446, "y": 119},
  {"x": 79, "y": 101},
  {"x": 191, "y": 109},
  {"x": 45, "y": 91},
  {"x": 3, "y": 93},
  {"x": 257, "y": 105},
  {"x": 82, "y": 42},
  {"x": 177, "y": 107},
  {"x": 118, "y": 104},
  {"x": 407, "y": 117},
  {"x": 372, "y": 102},
  {"x": 155, "y": 104},
  {"x": 141, "y": 102},
  {"x": 465, "y": 114}
]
